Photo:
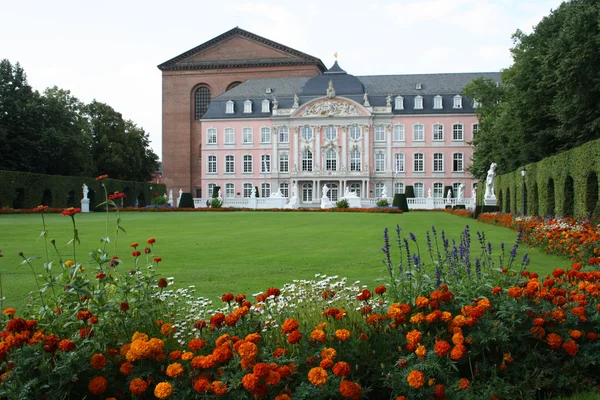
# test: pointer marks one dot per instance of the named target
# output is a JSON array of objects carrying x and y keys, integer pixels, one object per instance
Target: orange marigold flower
[
  {"x": 283, "y": 396},
  {"x": 250, "y": 381},
  {"x": 458, "y": 338},
  {"x": 201, "y": 385},
  {"x": 364, "y": 295},
  {"x": 187, "y": 356},
  {"x": 328, "y": 352},
  {"x": 163, "y": 390},
  {"x": 575, "y": 334},
  {"x": 414, "y": 336},
  {"x": 218, "y": 388},
  {"x": 342, "y": 334},
  {"x": 167, "y": 329},
  {"x": 537, "y": 331},
  {"x": 458, "y": 352},
  {"x": 272, "y": 378},
  {"x": 439, "y": 391},
  {"x": 442, "y": 348},
  {"x": 9, "y": 311},
  {"x": 138, "y": 386},
  {"x": 363, "y": 337},
  {"x": 350, "y": 390},
  {"x": 261, "y": 370},
  {"x": 66, "y": 345},
  {"x": 416, "y": 379},
  {"x": 422, "y": 302},
  {"x": 463, "y": 383},
  {"x": 126, "y": 368},
  {"x": 290, "y": 325},
  {"x": 558, "y": 273},
  {"x": 279, "y": 352},
  {"x": 592, "y": 336},
  {"x": 294, "y": 337},
  {"x": 496, "y": 290},
  {"x": 554, "y": 340},
  {"x": 538, "y": 321},
  {"x": 227, "y": 297},
  {"x": 341, "y": 369},
  {"x": 421, "y": 351},
  {"x": 252, "y": 337},
  {"x": 162, "y": 283},
  {"x": 401, "y": 398},
  {"x": 98, "y": 361},
  {"x": 380, "y": 290},
  {"x": 174, "y": 370},
  {"x": 326, "y": 363},
  {"x": 98, "y": 385},
  {"x": 570, "y": 347},
  {"x": 417, "y": 318},
  {"x": 515, "y": 292},
  {"x": 446, "y": 316},
  {"x": 317, "y": 376},
  {"x": 317, "y": 335},
  {"x": 196, "y": 344}
]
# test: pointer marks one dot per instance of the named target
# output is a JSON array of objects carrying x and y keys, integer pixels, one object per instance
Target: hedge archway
[
  {"x": 19, "y": 199},
  {"x": 591, "y": 193},
  {"x": 507, "y": 203},
  {"x": 569, "y": 197},
  {"x": 47, "y": 198},
  {"x": 550, "y": 210},
  {"x": 536, "y": 204}
]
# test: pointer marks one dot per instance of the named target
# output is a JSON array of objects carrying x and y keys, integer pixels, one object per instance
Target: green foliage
[
  {"x": 342, "y": 204},
  {"x": 158, "y": 200},
  {"x": 215, "y": 192},
  {"x": 27, "y": 190},
  {"x": 382, "y": 203},
  {"x": 186, "y": 201},
  {"x": 216, "y": 203}
]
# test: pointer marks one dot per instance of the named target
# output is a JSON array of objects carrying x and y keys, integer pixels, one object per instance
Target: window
[
  {"x": 438, "y": 132},
  {"x": 398, "y": 133},
  {"x": 284, "y": 188},
  {"x": 355, "y": 132},
  {"x": 399, "y": 103},
  {"x": 307, "y": 133},
  {"x": 265, "y": 134},
  {"x": 398, "y": 188},
  {"x": 437, "y": 102},
  {"x": 211, "y": 136},
  {"x": 333, "y": 191},
  {"x": 457, "y": 132},
  {"x": 380, "y": 134},
  {"x": 307, "y": 160},
  {"x": 265, "y": 106},
  {"x": 475, "y": 103},
  {"x": 331, "y": 160},
  {"x": 202, "y": 100},
  {"x": 379, "y": 162},
  {"x": 418, "y": 132},
  {"x": 211, "y": 188},
  {"x": 418, "y": 103},
  {"x": 419, "y": 164},
  {"x": 307, "y": 190},
  {"x": 399, "y": 162},
  {"x": 229, "y": 136},
  {"x": 247, "y": 107},
  {"x": 284, "y": 163},
  {"x": 455, "y": 187},
  {"x": 265, "y": 189},
  {"x": 355, "y": 187},
  {"x": 438, "y": 162},
  {"x": 212, "y": 164},
  {"x": 247, "y": 135},
  {"x": 265, "y": 164},
  {"x": 457, "y": 165},
  {"x": 247, "y": 163},
  {"x": 419, "y": 189},
  {"x": 475, "y": 128},
  {"x": 438, "y": 189},
  {"x": 229, "y": 190},
  {"x": 229, "y": 164},
  {"x": 248, "y": 189},
  {"x": 330, "y": 133},
  {"x": 229, "y": 107},
  {"x": 457, "y": 101},
  {"x": 379, "y": 189},
  {"x": 284, "y": 134},
  {"x": 355, "y": 161}
]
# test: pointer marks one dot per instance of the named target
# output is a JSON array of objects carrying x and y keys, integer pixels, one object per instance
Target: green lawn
[{"x": 241, "y": 252}]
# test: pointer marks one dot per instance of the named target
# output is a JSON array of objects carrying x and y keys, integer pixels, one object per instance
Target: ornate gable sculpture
[{"x": 330, "y": 108}]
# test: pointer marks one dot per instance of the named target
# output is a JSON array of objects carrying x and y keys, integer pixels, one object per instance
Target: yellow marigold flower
[
  {"x": 329, "y": 353},
  {"x": 446, "y": 316},
  {"x": 139, "y": 336},
  {"x": 421, "y": 351},
  {"x": 69, "y": 263},
  {"x": 139, "y": 349},
  {"x": 174, "y": 370},
  {"x": 163, "y": 390},
  {"x": 317, "y": 376},
  {"x": 417, "y": 318},
  {"x": 342, "y": 334}
]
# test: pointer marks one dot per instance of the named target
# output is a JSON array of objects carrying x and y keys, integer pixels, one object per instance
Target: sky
[{"x": 109, "y": 50}]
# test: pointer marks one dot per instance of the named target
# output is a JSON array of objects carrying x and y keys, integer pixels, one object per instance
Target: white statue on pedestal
[
  {"x": 277, "y": 194},
  {"x": 366, "y": 100},
  {"x": 85, "y": 202},
  {"x": 449, "y": 196},
  {"x": 293, "y": 202},
  {"x": 384, "y": 192},
  {"x": 171, "y": 202},
  {"x": 220, "y": 195},
  {"x": 325, "y": 191},
  {"x": 388, "y": 100},
  {"x": 85, "y": 191},
  {"x": 489, "y": 182},
  {"x": 179, "y": 198},
  {"x": 296, "y": 100},
  {"x": 461, "y": 191},
  {"x": 253, "y": 192},
  {"x": 349, "y": 195},
  {"x": 429, "y": 193}
]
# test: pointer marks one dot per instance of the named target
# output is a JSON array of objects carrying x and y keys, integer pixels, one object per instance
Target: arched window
[
  {"x": 284, "y": 163},
  {"x": 399, "y": 187},
  {"x": 437, "y": 102},
  {"x": 307, "y": 190},
  {"x": 265, "y": 189},
  {"x": 285, "y": 189},
  {"x": 355, "y": 161},
  {"x": 229, "y": 190},
  {"x": 438, "y": 189},
  {"x": 438, "y": 132},
  {"x": 307, "y": 160},
  {"x": 355, "y": 187},
  {"x": 330, "y": 133},
  {"x": 202, "y": 100},
  {"x": 355, "y": 132},
  {"x": 307, "y": 133},
  {"x": 331, "y": 160},
  {"x": 419, "y": 189},
  {"x": 232, "y": 85},
  {"x": 248, "y": 188},
  {"x": 379, "y": 189}
]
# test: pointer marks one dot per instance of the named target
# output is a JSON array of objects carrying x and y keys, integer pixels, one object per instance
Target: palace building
[{"x": 241, "y": 111}]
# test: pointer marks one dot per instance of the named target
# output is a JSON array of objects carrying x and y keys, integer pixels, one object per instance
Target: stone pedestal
[
  {"x": 490, "y": 201},
  {"x": 353, "y": 202},
  {"x": 85, "y": 205}
]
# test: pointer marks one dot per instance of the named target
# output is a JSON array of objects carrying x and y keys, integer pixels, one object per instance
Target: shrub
[
  {"x": 382, "y": 203},
  {"x": 186, "y": 201},
  {"x": 401, "y": 202},
  {"x": 216, "y": 203},
  {"x": 343, "y": 203},
  {"x": 158, "y": 200}
]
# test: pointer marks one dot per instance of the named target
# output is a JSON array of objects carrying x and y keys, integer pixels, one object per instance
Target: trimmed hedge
[
  {"x": 27, "y": 190},
  {"x": 565, "y": 184}
]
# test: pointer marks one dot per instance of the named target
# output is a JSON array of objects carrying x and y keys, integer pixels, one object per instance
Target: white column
[
  {"x": 315, "y": 191},
  {"x": 388, "y": 138},
  {"x": 367, "y": 150},
  {"x": 344, "y": 148},
  {"x": 318, "y": 157},
  {"x": 275, "y": 157},
  {"x": 294, "y": 149}
]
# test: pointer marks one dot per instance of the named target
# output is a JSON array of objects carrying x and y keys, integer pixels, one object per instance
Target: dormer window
[
  {"x": 229, "y": 107},
  {"x": 265, "y": 106},
  {"x": 418, "y": 86},
  {"x": 418, "y": 103},
  {"x": 399, "y": 103},
  {"x": 247, "y": 107},
  {"x": 475, "y": 103},
  {"x": 457, "y": 101},
  {"x": 437, "y": 102}
]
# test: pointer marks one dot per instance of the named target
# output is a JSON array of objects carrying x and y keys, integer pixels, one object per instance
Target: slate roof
[{"x": 296, "y": 57}]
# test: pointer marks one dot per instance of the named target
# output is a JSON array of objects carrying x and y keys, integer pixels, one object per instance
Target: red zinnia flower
[
  {"x": 116, "y": 195},
  {"x": 157, "y": 259},
  {"x": 380, "y": 290},
  {"x": 162, "y": 283},
  {"x": 71, "y": 211},
  {"x": 40, "y": 208},
  {"x": 151, "y": 241},
  {"x": 102, "y": 177}
]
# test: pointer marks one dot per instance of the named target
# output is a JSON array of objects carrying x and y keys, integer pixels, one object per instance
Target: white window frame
[
  {"x": 355, "y": 187},
  {"x": 399, "y": 187},
  {"x": 419, "y": 161},
  {"x": 328, "y": 130},
  {"x": 229, "y": 164},
  {"x": 247, "y": 189},
  {"x": 415, "y": 133},
  {"x": 229, "y": 135},
  {"x": 284, "y": 188},
  {"x": 229, "y": 190},
  {"x": 455, "y": 188},
  {"x": 379, "y": 189},
  {"x": 475, "y": 128},
  {"x": 247, "y": 135},
  {"x": 399, "y": 103},
  {"x": 438, "y": 102},
  {"x": 284, "y": 163},
  {"x": 440, "y": 132},
  {"x": 457, "y": 101},
  {"x": 438, "y": 190},
  {"x": 438, "y": 162},
  {"x": 247, "y": 164},
  {"x": 419, "y": 187},
  {"x": 266, "y": 106},
  {"x": 379, "y": 162},
  {"x": 455, "y": 131},
  {"x": 265, "y": 134},
  {"x": 307, "y": 191},
  {"x": 248, "y": 107},
  {"x": 229, "y": 107},
  {"x": 265, "y": 163},
  {"x": 284, "y": 134},
  {"x": 210, "y": 188},
  {"x": 211, "y": 164},
  {"x": 399, "y": 162},
  {"x": 307, "y": 162},
  {"x": 211, "y": 135},
  {"x": 462, "y": 162},
  {"x": 355, "y": 162},
  {"x": 265, "y": 189},
  {"x": 331, "y": 160},
  {"x": 379, "y": 133},
  {"x": 307, "y": 133},
  {"x": 418, "y": 103},
  {"x": 399, "y": 133},
  {"x": 353, "y": 130}
]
